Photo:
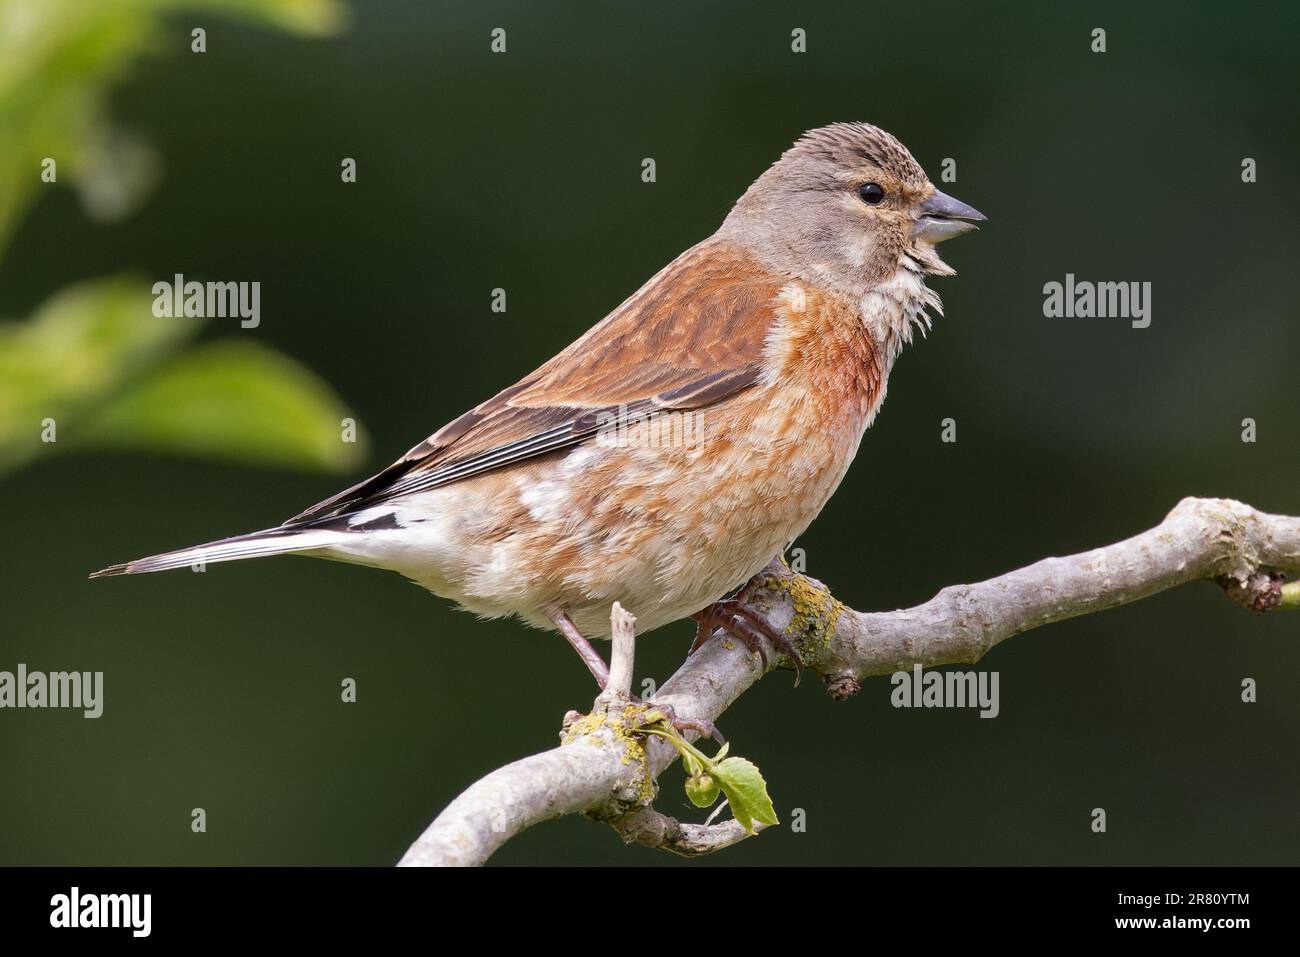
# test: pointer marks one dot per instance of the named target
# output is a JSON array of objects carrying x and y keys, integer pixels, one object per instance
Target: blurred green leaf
[
  {"x": 82, "y": 345},
  {"x": 95, "y": 366},
  {"x": 58, "y": 59},
  {"x": 307, "y": 17},
  {"x": 97, "y": 361},
  {"x": 231, "y": 400}
]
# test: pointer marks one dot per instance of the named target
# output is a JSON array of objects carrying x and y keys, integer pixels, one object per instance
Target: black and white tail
[{"x": 270, "y": 541}]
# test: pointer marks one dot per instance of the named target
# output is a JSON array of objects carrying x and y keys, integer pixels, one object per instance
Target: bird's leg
[
  {"x": 736, "y": 618},
  {"x": 589, "y": 655},
  {"x": 600, "y": 671}
]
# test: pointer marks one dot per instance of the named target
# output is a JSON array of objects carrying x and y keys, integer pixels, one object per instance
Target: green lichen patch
[
  {"x": 584, "y": 726},
  {"x": 625, "y": 731},
  {"x": 816, "y": 613}
]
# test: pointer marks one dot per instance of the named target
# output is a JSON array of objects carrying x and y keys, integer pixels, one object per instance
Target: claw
[
  {"x": 738, "y": 619},
  {"x": 706, "y": 729}
]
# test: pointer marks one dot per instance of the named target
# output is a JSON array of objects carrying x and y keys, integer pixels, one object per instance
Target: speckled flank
[{"x": 664, "y": 530}]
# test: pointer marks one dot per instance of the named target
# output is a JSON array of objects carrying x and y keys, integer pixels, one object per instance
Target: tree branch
[{"x": 607, "y": 770}]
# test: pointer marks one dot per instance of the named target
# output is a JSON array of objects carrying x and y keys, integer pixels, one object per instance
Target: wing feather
[{"x": 691, "y": 337}]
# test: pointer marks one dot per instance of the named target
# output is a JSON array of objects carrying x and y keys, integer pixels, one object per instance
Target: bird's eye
[{"x": 872, "y": 194}]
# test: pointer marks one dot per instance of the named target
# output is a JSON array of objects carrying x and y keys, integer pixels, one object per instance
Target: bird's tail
[{"x": 270, "y": 541}]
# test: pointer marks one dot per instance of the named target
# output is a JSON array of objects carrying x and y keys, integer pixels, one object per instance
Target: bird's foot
[
  {"x": 734, "y": 616},
  {"x": 705, "y": 729},
  {"x": 600, "y": 671}
]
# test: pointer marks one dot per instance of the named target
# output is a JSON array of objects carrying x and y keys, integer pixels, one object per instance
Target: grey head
[{"x": 846, "y": 207}]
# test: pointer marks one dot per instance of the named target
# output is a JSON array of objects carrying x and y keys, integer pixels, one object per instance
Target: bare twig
[
  {"x": 623, "y": 638},
  {"x": 647, "y": 826},
  {"x": 606, "y": 770}
]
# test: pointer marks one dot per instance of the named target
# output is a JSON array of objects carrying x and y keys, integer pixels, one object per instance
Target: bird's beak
[{"x": 942, "y": 217}]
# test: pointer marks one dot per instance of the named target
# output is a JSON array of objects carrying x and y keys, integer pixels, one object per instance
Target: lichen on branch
[{"x": 607, "y": 765}]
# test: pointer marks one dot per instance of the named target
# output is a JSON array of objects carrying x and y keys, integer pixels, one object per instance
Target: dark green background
[{"x": 522, "y": 171}]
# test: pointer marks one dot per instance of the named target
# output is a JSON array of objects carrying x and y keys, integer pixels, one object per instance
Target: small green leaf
[
  {"x": 738, "y": 778},
  {"x": 746, "y": 792},
  {"x": 229, "y": 400}
]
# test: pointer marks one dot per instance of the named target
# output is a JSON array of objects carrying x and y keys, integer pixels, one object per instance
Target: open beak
[{"x": 943, "y": 217}]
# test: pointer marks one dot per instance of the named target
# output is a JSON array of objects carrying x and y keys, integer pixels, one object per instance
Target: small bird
[{"x": 667, "y": 455}]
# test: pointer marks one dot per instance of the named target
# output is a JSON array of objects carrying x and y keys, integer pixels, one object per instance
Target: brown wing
[{"x": 690, "y": 337}]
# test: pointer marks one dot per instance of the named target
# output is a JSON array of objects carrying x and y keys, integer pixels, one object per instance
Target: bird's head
[{"x": 847, "y": 207}]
